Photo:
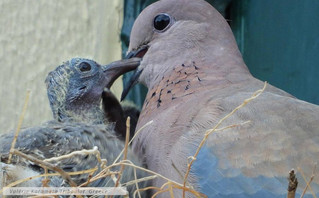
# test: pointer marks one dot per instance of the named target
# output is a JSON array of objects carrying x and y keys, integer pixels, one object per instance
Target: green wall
[
  {"x": 132, "y": 8},
  {"x": 279, "y": 40}
]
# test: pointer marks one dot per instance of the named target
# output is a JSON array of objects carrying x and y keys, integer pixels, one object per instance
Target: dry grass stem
[
  {"x": 175, "y": 184},
  {"x": 170, "y": 189},
  {"x": 127, "y": 137},
  {"x": 93, "y": 151},
  {"x": 49, "y": 175},
  {"x": 307, "y": 182},
  {"x": 172, "y": 185},
  {"x": 159, "y": 192},
  {"x": 88, "y": 181},
  {"x": 145, "y": 189},
  {"x": 45, "y": 181},
  {"x": 66, "y": 175},
  {"x": 26, "y": 101},
  {"x": 232, "y": 126},
  {"x": 139, "y": 180},
  {"x": 136, "y": 183},
  {"x": 144, "y": 169},
  {"x": 110, "y": 174},
  {"x": 180, "y": 174},
  {"x": 63, "y": 174},
  {"x": 137, "y": 132},
  {"x": 47, "y": 165},
  {"x": 106, "y": 171},
  {"x": 208, "y": 132}
]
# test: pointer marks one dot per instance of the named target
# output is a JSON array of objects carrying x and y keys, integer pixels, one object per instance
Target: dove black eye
[
  {"x": 161, "y": 22},
  {"x": 85, "y": 67}
]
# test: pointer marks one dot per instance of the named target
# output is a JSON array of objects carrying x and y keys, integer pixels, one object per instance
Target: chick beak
[
  {"x": 140, "y": 52},
  {"x": 113, "y": 70}
]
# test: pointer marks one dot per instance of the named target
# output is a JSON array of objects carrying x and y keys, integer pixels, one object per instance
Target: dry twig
[
  {"x": 308, "y": 182},
  {"x": 136, "y": 183},
  {"x": 26, "y": 101},
  {"x": 208, "y": 132},
  {"x": 93, "y": 151},
  {"x": 169, "y": 186},
  {"x": 125, "y": 149},
  {"x": 47, "y": 165},
  {"x": 293, "y": 183},
  {"x": 137, "y": 132},
  {"x": 49, "y": 175}
]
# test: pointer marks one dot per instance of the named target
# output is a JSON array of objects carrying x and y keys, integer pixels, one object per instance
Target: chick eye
[
  {"x": 162, "y": 21},
  {"x": 84, "y": 67}
]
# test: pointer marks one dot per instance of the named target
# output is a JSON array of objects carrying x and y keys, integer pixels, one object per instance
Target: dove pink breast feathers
[{"x": 195, "y": 76}]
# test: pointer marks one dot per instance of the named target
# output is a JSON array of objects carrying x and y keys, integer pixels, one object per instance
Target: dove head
[
  {"x": 171, "y": 33},
  {"x": 76, "y": 87}
]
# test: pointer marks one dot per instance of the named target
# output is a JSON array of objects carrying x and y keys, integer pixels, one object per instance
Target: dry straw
[{"x": 169, "y": 186}]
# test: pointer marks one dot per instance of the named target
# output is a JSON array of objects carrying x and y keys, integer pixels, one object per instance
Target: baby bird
[
  {"x": 75, "y": 91},
  {"x": 117, "y": 113}
]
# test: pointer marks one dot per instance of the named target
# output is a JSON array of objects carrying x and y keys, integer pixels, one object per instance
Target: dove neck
[
  {"x": 214, "y": 70},
  {"x": 222, "y": 62},
  {"x": 88, "y": 113}
]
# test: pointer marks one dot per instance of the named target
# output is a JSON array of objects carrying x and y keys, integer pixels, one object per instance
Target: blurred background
[
  {"x": 38, "y": 35},
  {"x": 279, "y": 40}
]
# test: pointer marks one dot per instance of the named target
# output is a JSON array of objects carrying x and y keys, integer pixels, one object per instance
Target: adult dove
[{"x": 195, "y": 76}]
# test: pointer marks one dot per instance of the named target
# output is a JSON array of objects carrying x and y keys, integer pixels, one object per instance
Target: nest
[{"x": 106, "y": 170}]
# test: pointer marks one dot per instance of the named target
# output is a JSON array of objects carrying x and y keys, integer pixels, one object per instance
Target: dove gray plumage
[
  {"x": 74, "y": 91},
  {"x": 195, "y": 76}
]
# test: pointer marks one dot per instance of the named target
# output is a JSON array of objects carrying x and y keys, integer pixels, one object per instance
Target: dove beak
[
  {"x": 113, "y": 70},
  {"x": 140, "y": 52}
]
